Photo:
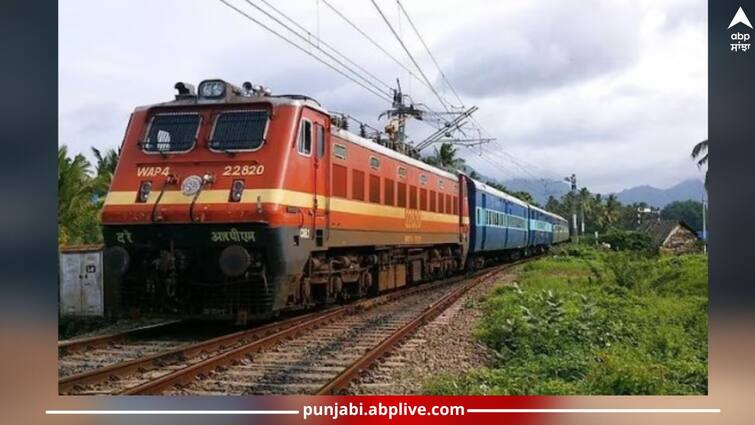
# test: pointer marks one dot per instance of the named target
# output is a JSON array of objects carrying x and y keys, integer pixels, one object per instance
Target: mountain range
[{"x": 541, "y": 189}]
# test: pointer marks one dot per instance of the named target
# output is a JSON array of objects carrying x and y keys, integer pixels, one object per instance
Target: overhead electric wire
[
  {"x": 305, "y": 39},
  {"x": 372, "y": 41},
  {"x": 429, "y": 53},
  {"x": 382, "y": 96},
  {"x": 411, "y": 57},
  {"x": 324, "y": 43},
  {"x": 374, "y": 89}
]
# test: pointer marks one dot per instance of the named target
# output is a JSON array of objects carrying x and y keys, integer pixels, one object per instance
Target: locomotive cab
[{"x": 203, "y": 200}]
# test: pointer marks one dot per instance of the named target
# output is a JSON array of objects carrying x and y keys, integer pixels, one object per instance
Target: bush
[
  {"x": 621, "y": 240},
  {"x": 592, "y": 322}
]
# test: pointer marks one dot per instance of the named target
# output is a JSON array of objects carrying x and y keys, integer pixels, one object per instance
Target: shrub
[
  {"x": 592, "y": 322},
  {"x": 621, "y": 240}
]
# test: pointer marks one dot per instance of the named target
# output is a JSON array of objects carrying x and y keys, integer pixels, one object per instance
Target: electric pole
[
  {"x": 705, "y": 228},
  {"x": 573, "y": 181}
]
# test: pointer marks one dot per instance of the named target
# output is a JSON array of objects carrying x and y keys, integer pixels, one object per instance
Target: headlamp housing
[{"x": 212, "y": 89}]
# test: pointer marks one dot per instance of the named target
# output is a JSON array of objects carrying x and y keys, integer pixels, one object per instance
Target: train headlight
[
  {"x": 212, "y": 88},
  {"x": 237, "y": 190},
  {"x": 234, "y": 260},
  {"x": 144, "y": 189},
  {"x": 191, "y": 185}
]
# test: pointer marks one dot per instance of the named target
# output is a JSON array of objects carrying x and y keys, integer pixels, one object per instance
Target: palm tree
[
  {"x": 585, "y": 205},
  {"x": 612, "y": 212},
  {"x": 105, "y": 168},
  {"x": 700, "y": 154},
  {"x": 77, "y": 211},
  {"x": 446, "y": 157}
]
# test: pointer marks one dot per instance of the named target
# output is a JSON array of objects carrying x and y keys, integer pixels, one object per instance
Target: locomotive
[{"x": 232, "y": 202}]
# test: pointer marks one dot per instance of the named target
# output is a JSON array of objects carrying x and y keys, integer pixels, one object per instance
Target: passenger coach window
[
  {"x": 305, "y": 138},
  {"x": 172, "y": 133},
  {"x": 241, "y": 130}
]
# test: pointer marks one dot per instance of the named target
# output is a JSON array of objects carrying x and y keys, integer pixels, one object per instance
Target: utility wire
[
  {"x": 310, "y": 42},
  {"x": 414, "y": 61},
  {"x": 372, "y": 41},
  {"x": 427, "y": 48},
  {"x": 321, "y": 41},
  {"x": 287, "y": 40}
]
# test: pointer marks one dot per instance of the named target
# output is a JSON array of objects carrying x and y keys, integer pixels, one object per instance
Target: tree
[
  {"x": 610, "y": 213},
  {"x": 525, "y": 196},
  {"x": 445, "y": 157},
  {"x": 700, "y": 154},
  {"x": 105, "y": 168},
  {"x": 691, "y": 212},
  {"x": 78, "y": 210}
]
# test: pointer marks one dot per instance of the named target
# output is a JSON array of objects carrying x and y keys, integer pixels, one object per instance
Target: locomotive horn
[{"x": 185, "y": 89}]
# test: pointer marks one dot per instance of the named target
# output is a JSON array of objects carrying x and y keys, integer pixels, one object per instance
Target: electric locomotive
[{"x": 232, "y": 202}]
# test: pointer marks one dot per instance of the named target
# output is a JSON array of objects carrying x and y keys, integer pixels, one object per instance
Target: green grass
[{"x": 585, "y": 321}]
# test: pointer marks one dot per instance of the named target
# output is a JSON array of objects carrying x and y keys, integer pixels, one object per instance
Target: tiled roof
[{"x": 659, "y": 230}]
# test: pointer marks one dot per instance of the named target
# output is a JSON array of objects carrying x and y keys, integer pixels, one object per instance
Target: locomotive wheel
[
  {"x": 365, "y": 284},
  {"x": 336, "y": 291}
]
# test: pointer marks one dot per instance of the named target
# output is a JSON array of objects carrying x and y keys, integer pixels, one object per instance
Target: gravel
[{"x": 445, "y": 346}]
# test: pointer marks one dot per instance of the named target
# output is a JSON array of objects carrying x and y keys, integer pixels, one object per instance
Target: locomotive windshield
[
  {"x": 172, "y": 133},
  {"x": 239, "y": 130}
]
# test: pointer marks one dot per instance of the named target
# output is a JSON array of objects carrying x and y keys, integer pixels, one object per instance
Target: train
[{"x": 237, "y": 203}]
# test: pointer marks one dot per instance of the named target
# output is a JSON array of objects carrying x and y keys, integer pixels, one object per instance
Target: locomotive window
[
  {"x": 339, "y": 151},
  {"x": 388, "y": 195},
  {"x": 239, "y": 130},
  {"x": 402, "y": 172},
  {"x": 374, "y": 162},
  {"x": 320, "y": 137},
  {"x": 401, "y": 191},
  {"x": 172, "y": 133},
  {"x": 422, "y": 179},
  {"x": 305, "y": 138}
]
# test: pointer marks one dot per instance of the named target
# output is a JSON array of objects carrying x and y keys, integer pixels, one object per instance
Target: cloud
[
  {"x": 544, "y": 45},
  {"x": 614, "y": 90}
]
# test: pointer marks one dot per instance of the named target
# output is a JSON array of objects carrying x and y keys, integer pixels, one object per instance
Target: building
[{"x": 671, "y": 236}]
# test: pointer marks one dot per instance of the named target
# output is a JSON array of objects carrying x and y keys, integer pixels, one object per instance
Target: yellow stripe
[{"x": 281, "y": 197}]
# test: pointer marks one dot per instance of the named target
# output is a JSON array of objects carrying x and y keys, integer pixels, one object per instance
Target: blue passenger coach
[
  {"x": 503, "y": 227},
  {"x": 498, "y": 224},
  {"x": 540, "y": 227}
]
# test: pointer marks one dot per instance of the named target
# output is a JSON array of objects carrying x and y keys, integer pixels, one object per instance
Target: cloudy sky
[{"x": 615, "y": 91}]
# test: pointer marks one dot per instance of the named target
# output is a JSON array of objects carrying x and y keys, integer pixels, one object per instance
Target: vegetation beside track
[{"x": 589, "y": 321}]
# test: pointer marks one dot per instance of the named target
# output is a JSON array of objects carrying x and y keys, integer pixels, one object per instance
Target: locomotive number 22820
[{"x": 243, "y": 170}]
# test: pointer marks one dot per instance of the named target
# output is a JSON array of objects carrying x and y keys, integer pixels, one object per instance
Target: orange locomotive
[{"x": 233, "y": 202}]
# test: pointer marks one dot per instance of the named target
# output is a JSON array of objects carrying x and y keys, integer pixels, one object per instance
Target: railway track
[
  {"x": 317, "y": 353},
  {"x": 82, "y": 357}
]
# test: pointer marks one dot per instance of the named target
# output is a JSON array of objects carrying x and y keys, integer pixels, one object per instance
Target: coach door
[
  {"x": 321, "y": 179},
  {"x": 312, "y": 145}
]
